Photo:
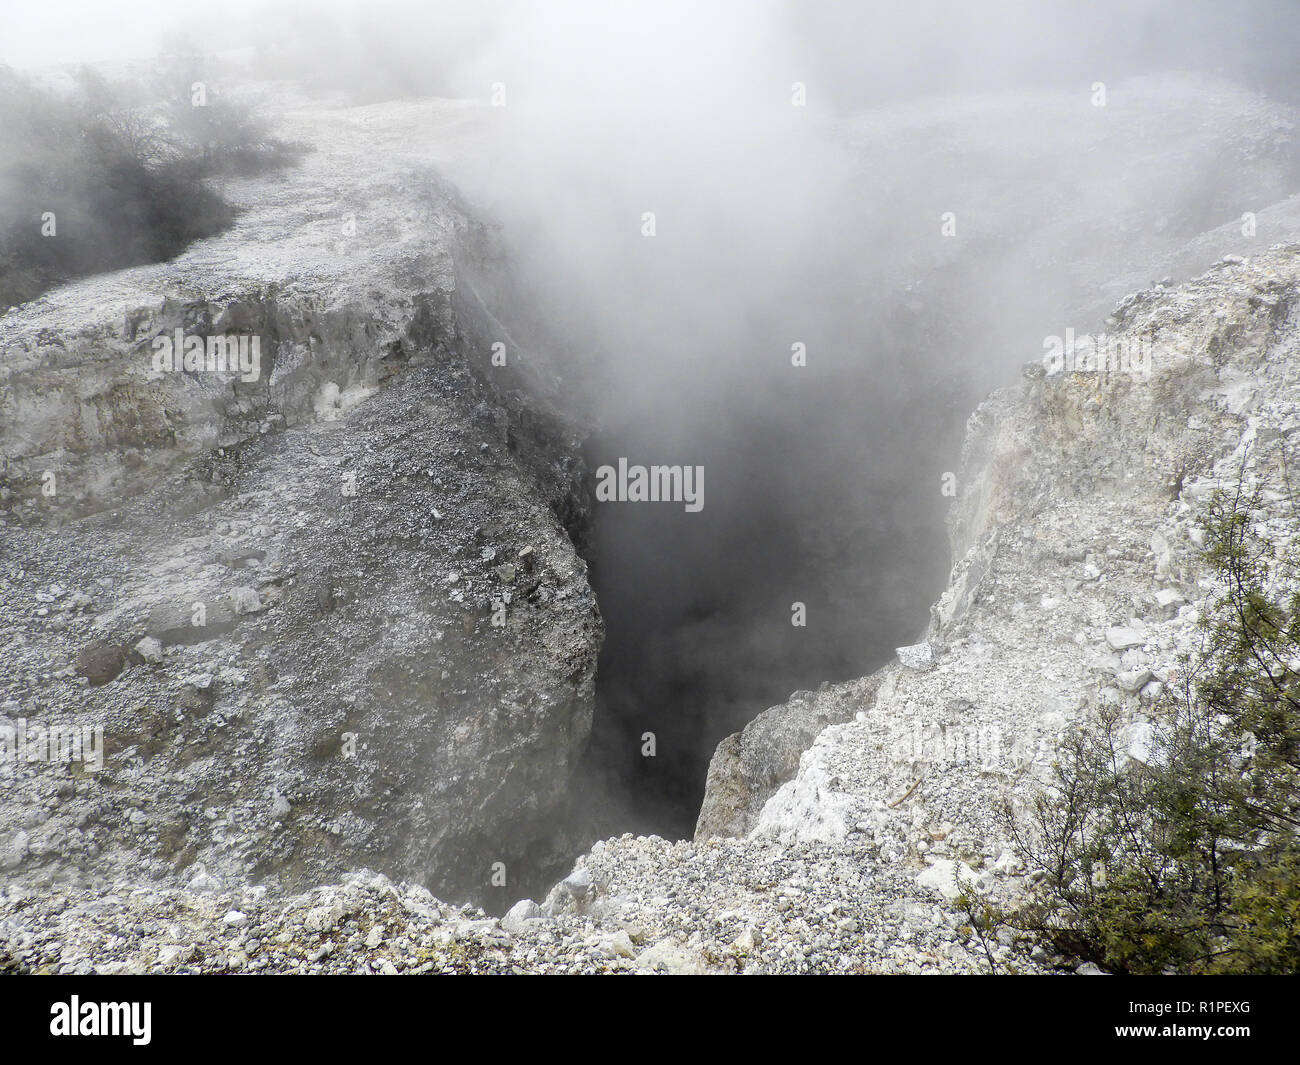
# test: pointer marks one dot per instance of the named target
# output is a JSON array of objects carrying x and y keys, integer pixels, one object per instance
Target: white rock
[
  {"x": 1121, "y": 638},
  {"x": 279, "y": 807},
  {"x": 919, "y": 656},
  {"x": 16, "y": 850},
  {"x": 941, "y": 878},
  {"x": 1133, "y": 680},
  {"x": 1133, "y": 658},
  {"x": 175, "y": 953},
  {"x": 522, "y": 911},
  {"x": 666, "y": 956},
  {"x": 1151, "y": 692},
  {"x": 245, "y": 600},
  {"x": 619, "y": 945},
  {"x": 1140, "y": 742},
  {"x": 203, "y": 881},
  {"x": 1163, "y": 556},
  {"x": 235, "y": 919},
  {"x": 578, "y": 883},
  {"x": 1007, "y": 863},
  {"x": 324, "y": 918}
]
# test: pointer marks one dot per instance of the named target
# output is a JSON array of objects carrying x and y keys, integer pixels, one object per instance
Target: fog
[
  {"x": 693, "y": 193},
  {"x": 798, "y": 161}
]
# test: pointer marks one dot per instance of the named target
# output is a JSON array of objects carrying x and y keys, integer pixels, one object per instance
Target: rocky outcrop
[
  {"x": 1078, "y": 577},
  {"x": 1076, "y": 583},
  {"x": 1080, "y": 494},
  {"x": 1145, "y": 221},
  {"x": 750, "y": 765},
  {"x": 327, "y": 617}
]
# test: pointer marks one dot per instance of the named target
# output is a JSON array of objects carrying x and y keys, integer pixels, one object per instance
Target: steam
[
  {"x": 907, "y": 198},
  {"x": 784, "y": 222}
]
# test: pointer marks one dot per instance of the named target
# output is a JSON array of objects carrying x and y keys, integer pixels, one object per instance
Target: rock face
[
  {"x": 1153, "y": 128},
  {"x": 750, "y": 765},
  {"x": 837, "y": 827},
  {"x": 1076, "y": 520},
  {"x": 1076, "y": 542},
  {"x": 1077, "y": 583},
  {"x": 329, "y": 617}
]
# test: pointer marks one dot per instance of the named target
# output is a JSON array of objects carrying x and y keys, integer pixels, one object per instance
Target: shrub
[
  {"x": 1176, "y": 851},
  {"x": 124, "y": 181}
]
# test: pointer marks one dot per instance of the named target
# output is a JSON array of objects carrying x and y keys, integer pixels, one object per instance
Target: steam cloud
[{"x": 778, "y": 225}]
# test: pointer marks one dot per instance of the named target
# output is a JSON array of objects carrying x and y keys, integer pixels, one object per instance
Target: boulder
[{"x": 749, "y": 766}]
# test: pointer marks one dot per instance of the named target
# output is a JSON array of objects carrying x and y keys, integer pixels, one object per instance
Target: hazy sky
[
  {"x": 36, "y": 33},
  {"x": 869, "y": 49}
]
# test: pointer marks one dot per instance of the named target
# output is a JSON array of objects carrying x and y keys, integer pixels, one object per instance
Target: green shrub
[{"x": 1186, "y": 860}]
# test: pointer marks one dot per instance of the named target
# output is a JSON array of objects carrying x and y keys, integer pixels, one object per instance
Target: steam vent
[{"x": 686, "y": 488}]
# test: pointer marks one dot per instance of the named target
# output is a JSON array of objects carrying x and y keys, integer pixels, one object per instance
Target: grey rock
[
  {"x": 245, "y": 600},
  {"x": 749, "y": 766},
  {"x": 522, "y": 911},
  {"x": 918, "y": 656},
  {"x": 100, "y": 662},
  {"x": 150, "y": 650},
  {"x": 311, "y": 588}
]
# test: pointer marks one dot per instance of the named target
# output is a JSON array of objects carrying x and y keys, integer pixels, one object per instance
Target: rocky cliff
[
  {"x": 328, "y": 616},
  {"x": 350, "y": 524},
  {"x": 1076, "y": 583}
]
